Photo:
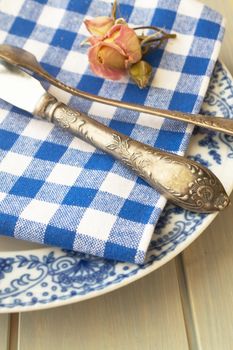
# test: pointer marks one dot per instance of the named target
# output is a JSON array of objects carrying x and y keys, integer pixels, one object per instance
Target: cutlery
[
  {"x": 25, "y": 59},
  {"x": 182, "y": 181}
]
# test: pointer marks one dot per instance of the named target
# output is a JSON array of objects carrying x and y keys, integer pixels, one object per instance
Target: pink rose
[{"x": 113, "y": 53}]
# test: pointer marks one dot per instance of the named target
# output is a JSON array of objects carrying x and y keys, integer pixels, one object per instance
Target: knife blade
[
  {"x": 182, "y": 181},
  {"x": 19, "y": 88}
]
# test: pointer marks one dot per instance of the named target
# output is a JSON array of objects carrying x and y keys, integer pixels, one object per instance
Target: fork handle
[
  {"x": 204, "y": 121},
  {"x": 182, "y": 181}
]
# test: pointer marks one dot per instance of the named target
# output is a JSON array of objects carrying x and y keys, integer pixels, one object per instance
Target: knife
[{"x": 184, "y": 182}]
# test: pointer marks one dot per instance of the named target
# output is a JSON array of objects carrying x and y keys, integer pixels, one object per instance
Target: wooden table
[{"x": 187, "y": 304}]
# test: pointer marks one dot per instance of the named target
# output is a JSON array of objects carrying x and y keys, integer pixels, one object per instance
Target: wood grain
[
  {"x": 144, "y": 315},
  {"x": 14, "y": 331},
  {"x": 208, "y": 266},
  {"x": 4, "y": 323}
]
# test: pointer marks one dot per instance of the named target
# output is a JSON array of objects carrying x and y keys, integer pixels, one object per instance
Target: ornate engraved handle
[{"x": 182, "y": 181}]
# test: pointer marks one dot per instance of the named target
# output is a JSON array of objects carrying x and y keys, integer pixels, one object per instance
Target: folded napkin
[{"x": 56, "y": 189}]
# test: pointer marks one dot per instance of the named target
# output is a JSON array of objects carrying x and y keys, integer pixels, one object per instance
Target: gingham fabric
[{"x": 58, "y": 190}]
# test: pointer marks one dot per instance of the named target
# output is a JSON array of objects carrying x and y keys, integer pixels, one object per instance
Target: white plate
[{"x": 34, "y": 277}]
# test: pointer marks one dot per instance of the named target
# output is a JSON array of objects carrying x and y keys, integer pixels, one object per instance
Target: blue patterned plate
[{"x": 34, "y": 277}]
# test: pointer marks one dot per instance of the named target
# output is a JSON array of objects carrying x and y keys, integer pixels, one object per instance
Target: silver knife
[{"x": 182, "y": 181}]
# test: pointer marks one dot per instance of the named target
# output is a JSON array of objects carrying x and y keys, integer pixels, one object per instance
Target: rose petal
[
  {"x": 99, "y": 26},
  {"x": 128, "y": 41},
  {"x": 93, "y": 40},
  {"x": 101, "y": 69},
  {"x": 111, "y": 57},
  {"x": 125, "y": 38}
]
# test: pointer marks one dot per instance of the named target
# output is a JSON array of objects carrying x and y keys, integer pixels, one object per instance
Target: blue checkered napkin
[{"x": 58, "y": 190}]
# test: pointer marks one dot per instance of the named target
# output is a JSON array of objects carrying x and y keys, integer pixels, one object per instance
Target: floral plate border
[{"x": 50, "y": 277}]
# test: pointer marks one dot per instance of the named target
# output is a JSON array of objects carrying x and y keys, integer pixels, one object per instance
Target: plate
[{"x": 33, "y": 277}]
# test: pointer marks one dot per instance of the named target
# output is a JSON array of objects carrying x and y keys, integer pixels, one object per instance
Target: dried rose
[
  {"x": 99, "y": 26},
  {"x": 111, "y": 55},
  {"x": 141, "y": 72},
  {"x": 116, "y": 50}
]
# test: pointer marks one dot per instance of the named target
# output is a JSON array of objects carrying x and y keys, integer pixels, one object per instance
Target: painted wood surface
[
  {"x": 4, "y": 328},
  {"x": 136, "y": 317}
]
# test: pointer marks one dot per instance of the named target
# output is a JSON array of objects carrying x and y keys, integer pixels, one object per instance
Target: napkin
[{"x": 58, "y": 190}]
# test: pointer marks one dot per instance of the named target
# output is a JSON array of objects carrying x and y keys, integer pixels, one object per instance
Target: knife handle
[{"x": 182, "y": 181}]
